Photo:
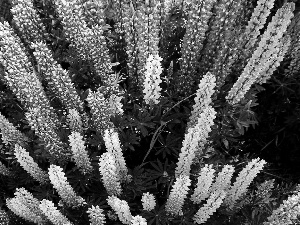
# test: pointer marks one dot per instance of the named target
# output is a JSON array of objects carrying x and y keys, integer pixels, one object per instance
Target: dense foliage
[{"x": 149, "y": 112}]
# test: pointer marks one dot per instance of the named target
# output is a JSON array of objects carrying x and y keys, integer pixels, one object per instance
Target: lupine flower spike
[
  {"x": 243, "y": 181},
  {"x": 62, "y": 186},
  {"x": 26, "y": 206},
  {"x": 148, "y": 201},
  {"x": 152, "y": 80},
  {"x": 177, "y": 196},
  {"x": 109, "y": 173},
  {"x": 80, "y": 155},
  {"x": 96, "y": 216},
  {"x": 28, "y": 164},
  {"x": 121, "y": 208},
  {"x": 260, "y": 60},
  {"x": 53, "y": 214}
]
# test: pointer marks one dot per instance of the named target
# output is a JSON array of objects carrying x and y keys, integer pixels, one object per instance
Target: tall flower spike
[
  {"x": 148, "y": 201},
  {"x": 199, "y": 14},
  {"x": 138, "y": 220},
  {"x": 268, "y": 46},
  {"x": 207, "y": 210},
  {"x": 275, "y": 59},
  {"x": 243, "y": 181},
  {"x": 80, "y": 155},
  {"x": 122, "y": 209},
  {"x": 101, "y": 111},
  {"x": 147, "y": 29},
  {"x": 74, "y": 121},
  {"x": 94, "y": 13},
  {"x": 109, "y": 173},
  {"x": 204, "y": 182},
  {"x": 62, "y": 186},
  {"x": 127, "y": 25},
  {"x": 178, "y": 194},
  {"x": 203, "y": 97},
  {"x": 287, "y": 213},
  {"x": 96, "y": 216},
  {"x": 249, "y": 38},
  {"x": 294, "y": 50},
  {"x": 28, "y": 21},
  {"x": 229, "y": 26},
  {"x": 152, "y": 80},
  {"x": 225, "y": 14},
  {"x": 223, "y": 180},
  {"x": 20, "y": 76},
  {"x": 113, "y": 146},
  {"x": 26, "y": 206},
  {"x": 88, "y": 42},
  {"x": 45, "y": 129},
  {"x": 10, "y": 135},
  {"x": 28, "y": 164},
  {"x": 53, "y": 214},
  {"x": 194, "y": 141},
  {"x": 58, "y": 79}
]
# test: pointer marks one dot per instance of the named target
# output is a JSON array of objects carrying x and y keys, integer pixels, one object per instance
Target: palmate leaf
[
  {"x": 161, "y": 172},
  {"x": 157, "y": 216},
  {"x": 142, "y": 120},
  {"x": 139, "y": 183},
  {"x": 128, "y": 138},
  {"x": 169, "y": 145}
]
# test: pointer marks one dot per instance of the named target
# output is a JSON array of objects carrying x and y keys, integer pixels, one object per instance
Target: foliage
[{"x": 151, "y": 134}]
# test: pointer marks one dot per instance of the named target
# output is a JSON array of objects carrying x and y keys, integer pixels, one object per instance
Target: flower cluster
[
  {"x": 62, "y": 186},
  {"x": 213, "y": 203},
  {"x": 243, "y": 181},
  {"x": 262, "y": 58},
  {"x": 203, "y": 97},
  {"x": 26, "y": 206},
  {"x": 220, "y": 37},
  {"x": 93, "y": 11},
  {"x": 20, "y": 76},
  {"x": 109, "y": 173},
  {"x": 121, "y": 208},
  {"x": 138, "y": 220},
  {"x": 101, "y": 110},
  {"x": 126, "y": 24},
  {"x": 204, "y": 182},
  {"x": 80, "y": 155},
  {"x": 56, "y": 77},
  {"x": 74, "y": 121},
  {"x": 148, "y": 201},
  {"x": 287, "y": 213},
  {"x": 28, "y": 164},
  {"x": 255, "y": 24},
  {"x": 9, "y": 134},
  {"x": 178, "y": 194},
  {"x": 28, "y": 21},
  {"x": 194, "y": 141},
  {"x": 147, "y": 27},
  {"x": 275, "y": 59},
  {"x": 96, "y": 216},
  {"x": 294, "y": 50},
  {"x": 113, "y": 146},
  {"x": 223, "y": 180},
  {"x": 152, "y": 79},
  {"x": 88, "y": 42},
  {"x": 199, "y": 14},
  {"x": 54, "y": 215},
  {"x": 44, "y": 127}
]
